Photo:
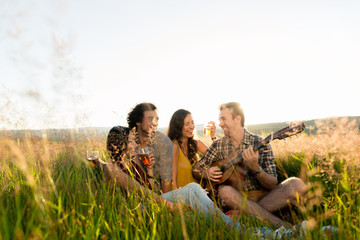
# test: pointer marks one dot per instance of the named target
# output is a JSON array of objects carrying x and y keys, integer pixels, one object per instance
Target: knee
[
  {"x": 194, "y": 185},
  {"x": 225, "y": 194},
  {"x": 225, "y": 190},
  {"x": 296, "y": 185},
  {"x": 194, "y": 188}
]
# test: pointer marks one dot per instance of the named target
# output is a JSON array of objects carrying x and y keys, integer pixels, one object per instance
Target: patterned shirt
[{"x": 223, "y": 147}]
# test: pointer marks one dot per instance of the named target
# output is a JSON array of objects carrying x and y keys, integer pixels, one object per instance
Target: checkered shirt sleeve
[
  {"x": 211, "y": 155},
  {"x": 267, "y": 160}
]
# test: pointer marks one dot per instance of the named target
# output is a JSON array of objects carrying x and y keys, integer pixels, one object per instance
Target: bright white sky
[{"x": 86, "y": 63}]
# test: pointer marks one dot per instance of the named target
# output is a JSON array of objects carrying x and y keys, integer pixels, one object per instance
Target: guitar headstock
[{"x": 289, "y": 131}]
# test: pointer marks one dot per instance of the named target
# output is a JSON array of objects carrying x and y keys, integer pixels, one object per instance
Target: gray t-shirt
[{"x": 162, "y": 149}]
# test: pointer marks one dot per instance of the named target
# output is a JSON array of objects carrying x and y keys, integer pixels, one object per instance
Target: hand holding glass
[
  {"x": 92, "y": 156},
  {"x": 144, "y": 155},
  {"x": 207, "y": 127}
]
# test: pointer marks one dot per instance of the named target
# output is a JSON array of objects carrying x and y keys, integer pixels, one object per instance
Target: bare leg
[
  {"x": 233, "y": 199},
  {"x": 284, "y": 194}
]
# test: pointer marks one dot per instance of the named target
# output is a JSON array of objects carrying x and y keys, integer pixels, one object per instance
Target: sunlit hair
[
  {"x": 136, "y": 114},
  {"x": 235, "y": 110},
  {"x": 174, "y": 132}
]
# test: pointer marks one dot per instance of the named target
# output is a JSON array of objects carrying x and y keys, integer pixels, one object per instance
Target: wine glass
[{"x": 92, "y": 156}]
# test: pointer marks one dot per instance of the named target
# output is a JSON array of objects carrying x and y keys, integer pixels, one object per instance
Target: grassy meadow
[{"x": 49, "y": 191}]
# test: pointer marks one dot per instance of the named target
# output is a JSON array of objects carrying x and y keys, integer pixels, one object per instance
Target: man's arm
[
  {"x": 175, "y": 164},
  {"x": 213, "y": 173},
  {"x": 251, "y": 159},
  {"x": 202, "y": 169},
  {"x": 266, "y": 180}
]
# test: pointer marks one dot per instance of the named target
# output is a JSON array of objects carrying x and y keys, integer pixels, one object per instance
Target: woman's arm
[{"x": 175, "y": 164}]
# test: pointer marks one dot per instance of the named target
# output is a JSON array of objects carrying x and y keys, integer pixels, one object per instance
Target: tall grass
[
  {"x": 328, "y": 162},
  {"x": 48, "y": 191}
]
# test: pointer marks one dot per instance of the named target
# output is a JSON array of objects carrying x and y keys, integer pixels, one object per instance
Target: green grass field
[{"x": 49, "y": 191}]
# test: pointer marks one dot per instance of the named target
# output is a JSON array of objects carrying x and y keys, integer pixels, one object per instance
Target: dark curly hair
[
  {"x": 136, "y": 114},
  {"x": 175, "y": 132},
  {"x": 116, "y": 142}
]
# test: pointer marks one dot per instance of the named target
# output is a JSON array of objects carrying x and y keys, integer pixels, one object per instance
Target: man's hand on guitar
[
  {"x": 214, "y": 174},
  {"x": 251, "y": 159}
]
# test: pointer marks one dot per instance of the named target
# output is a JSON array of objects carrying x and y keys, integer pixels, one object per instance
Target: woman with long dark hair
[{"x": 185, "y": 147}]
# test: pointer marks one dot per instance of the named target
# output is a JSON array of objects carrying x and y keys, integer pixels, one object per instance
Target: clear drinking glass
[
  {"x": 92, "y": 156},
  {"x": 144, "y": 155},
  {"x": 206, "y": 129}
]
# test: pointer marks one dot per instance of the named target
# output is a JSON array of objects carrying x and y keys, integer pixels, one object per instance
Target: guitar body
[
  {"x": 226, "y": 175},
  {"x": 234, "y": 174},
  {"x": 236, "y": 179}
]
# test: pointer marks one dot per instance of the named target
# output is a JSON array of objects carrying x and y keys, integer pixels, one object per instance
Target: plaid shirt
[{"x": 223, "y": 147}]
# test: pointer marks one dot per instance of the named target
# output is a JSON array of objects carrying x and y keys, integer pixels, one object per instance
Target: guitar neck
[
  {"x": 263, "y": 142},
  {"x": 236, "y": 158}
]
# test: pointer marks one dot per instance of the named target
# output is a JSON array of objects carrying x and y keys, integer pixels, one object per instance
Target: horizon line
[{"x": 162, "y": 127}]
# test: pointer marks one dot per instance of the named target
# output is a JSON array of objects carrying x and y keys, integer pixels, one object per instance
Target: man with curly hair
[{"x": 142, "y": 133}]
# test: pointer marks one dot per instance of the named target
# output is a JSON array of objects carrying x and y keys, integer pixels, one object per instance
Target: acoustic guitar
[{"x": 233, "y": 167}]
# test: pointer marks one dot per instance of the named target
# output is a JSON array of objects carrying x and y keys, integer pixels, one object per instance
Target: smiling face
[
  {"x": 188, "y": 128},
  {"x": 228, "y": 123},
  {"x": 149, "y": 122}
]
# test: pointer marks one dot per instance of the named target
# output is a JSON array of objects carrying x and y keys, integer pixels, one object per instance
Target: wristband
[{"x": 258, "y": 171}]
